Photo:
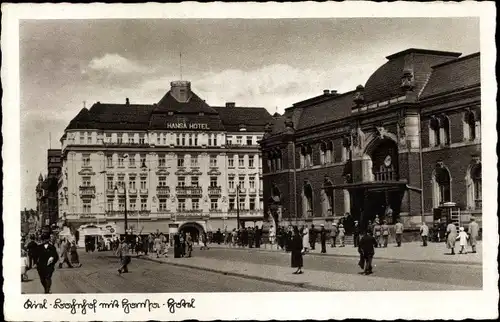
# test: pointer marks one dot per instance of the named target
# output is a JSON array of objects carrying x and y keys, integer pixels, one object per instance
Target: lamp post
[
  {"x": 125, "y": 209},
  {"x": 238, "y": 206}
]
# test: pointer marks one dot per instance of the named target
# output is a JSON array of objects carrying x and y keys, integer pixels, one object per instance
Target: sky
[{"x": 270, "y": 63}]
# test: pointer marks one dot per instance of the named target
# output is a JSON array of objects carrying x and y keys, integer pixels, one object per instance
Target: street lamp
[{"x": 238, "y": 206}]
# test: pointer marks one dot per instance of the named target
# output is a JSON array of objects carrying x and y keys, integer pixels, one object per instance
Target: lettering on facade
[{"x": 187, "y": 126}]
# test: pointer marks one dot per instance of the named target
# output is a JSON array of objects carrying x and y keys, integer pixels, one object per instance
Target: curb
[
  {"x": 253, "y": 277},
  {"x": 438, "y": 261}
]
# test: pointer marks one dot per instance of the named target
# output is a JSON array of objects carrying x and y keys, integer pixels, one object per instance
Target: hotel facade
[
  {"x": 406, "y": 145},
  {"x": 178, "y": 163}
]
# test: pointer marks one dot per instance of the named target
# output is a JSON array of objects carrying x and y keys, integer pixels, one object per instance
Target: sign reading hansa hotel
[{"x": 187, "y": 126}]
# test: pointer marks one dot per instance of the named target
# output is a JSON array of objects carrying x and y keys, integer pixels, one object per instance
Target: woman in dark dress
[{"x": 296, "y": 248}]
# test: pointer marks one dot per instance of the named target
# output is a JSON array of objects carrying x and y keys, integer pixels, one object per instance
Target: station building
[
  {"x": 177, "y": 163},
  {"x": 406, "y": 145}
]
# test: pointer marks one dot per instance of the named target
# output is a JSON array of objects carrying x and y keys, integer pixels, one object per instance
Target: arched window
[
  {"x": 470, "y": 125},
  {"x": 322, "y": 153},
  {"x": 434, "y": 132},
  {"x": 442, "y": 185},
  {"x": 329, "y": 152},
  {"x": 308, "y": 156},
  {"x": 279, "y": 163},
  {"x": 307, "y": 202},
  {"x": 474, "y": 187},
  {"x": 445, "y": 130},
  {"x": 302, "y": 157},
  {"x": 269, "y": 162},
  {"x": 327, "y": 198}
]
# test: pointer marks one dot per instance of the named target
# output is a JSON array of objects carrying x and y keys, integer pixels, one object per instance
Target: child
[
  {"x": 341, "y": 235},
  {"x": 462, "y": 236}
]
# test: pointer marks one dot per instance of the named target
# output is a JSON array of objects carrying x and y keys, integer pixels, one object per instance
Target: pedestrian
[
  {"x": 157, "y": 245},
  {"x": 47, "y": 257},
  {"x": 398, "y": 227},
  {"x": 367, "y": 251},
  {"x": 342, "y": 235},
  {"x": 145, "y": 245},
  {"x": 272, "y": 235},
  {"x": 312, "y": 237},
  {"x": 463, "y": 237},
  {"x": 377, "y": 233},
  {"x": 258, "y": 236},
  {"x": 151, "y": 244},
  {"x": 356, "y": 234},
  {"x": 234, "y": 236},
  {"x": 64, "y": 254},
  {"x": 305, "y": 239},
  {"x": 251, "y": 237},
  {"x": 31, "y": 250},
  {"x": 322, "y": 237},
  {"x": 473, "y": 233},
  {"x": 385, "y": 233},
  {"x": 297, "y": 251},
  {"x": 125, "y": 259},
  {"x": 74, "y": 259},
  {"x": 424, "y": 232},
  {"x": 204, "y": 241},
  {"x": 189, "y": 244},
  {"x": 451, "y": 231},
  {"x": 333, "y": 235}
]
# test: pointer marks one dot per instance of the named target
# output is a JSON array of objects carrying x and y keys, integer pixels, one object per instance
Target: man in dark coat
[
  {"x": 312, "y": 237},
  {"x": 47, "y": 258},
  {"x": 251, "y": 237},
  {"x": 258, "y": 234},
  {"x": 31, "y": 248},
  {"x": 366, "y": 251},
  {"x": 323, "y": 239},
  {"x": 356, "y": 234}
]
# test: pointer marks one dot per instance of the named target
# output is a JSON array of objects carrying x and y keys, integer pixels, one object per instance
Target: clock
[{"x": 388, "y": 161}]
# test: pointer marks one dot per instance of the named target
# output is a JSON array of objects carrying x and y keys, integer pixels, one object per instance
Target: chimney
[
  {"x": 180, "y": 90},
  {"x": 230, "y": 104},
  {"x": 326, "y": 92},
  {"x": 333, "y": 92},
  {"x": 127, "y": 101}
]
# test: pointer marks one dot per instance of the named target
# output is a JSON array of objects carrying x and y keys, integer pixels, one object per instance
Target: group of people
[
  {"x": 243, "y": 237},
  {"x": 284, "y": 237}
]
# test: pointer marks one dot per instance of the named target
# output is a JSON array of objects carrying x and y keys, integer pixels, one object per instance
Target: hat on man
[
  {"x": 322, "y": 225},
  {"x": 335, "y": 224}
]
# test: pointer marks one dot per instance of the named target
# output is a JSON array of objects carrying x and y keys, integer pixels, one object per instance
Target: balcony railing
[
  {"x": 232, "y": 191},
  {"x": 214, "y": 191},
  {"x": 243, "y": 190},
  {"x": 130, "y": 213},
  {"x": 132, "y": 192},
  {"x": 252, "y": 190},
  {"x": 188, "y": 190},
  {"x": 110, "y": 192},
  {"x": 385, "y": 175},
  {"x": 163, "y": 191},
  {"x": 143, "y": 191},
  {"x": 87, "y": 191}
]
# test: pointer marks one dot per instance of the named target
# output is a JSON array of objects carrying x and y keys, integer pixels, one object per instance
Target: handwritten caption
[{"x": 83, "y": 307}]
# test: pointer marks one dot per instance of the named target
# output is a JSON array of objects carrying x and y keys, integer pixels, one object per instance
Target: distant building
[
  {"x": 30, "y": 222},
  {"x": 47, "y": 189},
  {"x": 403, "y": 146},
  {"x": 176, "y": 163}
]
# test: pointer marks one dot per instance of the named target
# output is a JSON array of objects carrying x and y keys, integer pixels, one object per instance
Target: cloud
[{"x": 116, "y": 64}]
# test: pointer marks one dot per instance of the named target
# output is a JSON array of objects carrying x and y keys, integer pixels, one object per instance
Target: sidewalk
[
  {"x": 311, "y": 279},
  {"x": 434, "y": 252}
]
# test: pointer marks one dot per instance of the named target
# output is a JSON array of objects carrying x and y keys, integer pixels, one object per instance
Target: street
[{"x": 99, "y": 275}]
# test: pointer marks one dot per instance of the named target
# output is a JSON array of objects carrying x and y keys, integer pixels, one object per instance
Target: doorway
[{"x": 194, "y": 229}]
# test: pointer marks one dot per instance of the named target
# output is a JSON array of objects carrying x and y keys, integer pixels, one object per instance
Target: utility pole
[{"x": 238, "y": 206}]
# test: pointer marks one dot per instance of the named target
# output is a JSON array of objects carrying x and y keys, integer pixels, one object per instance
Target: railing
[
  {"x": 232, "y": 191},
  {"x": 214, "y": 191},
  {"x": 162, "y": 191},
  {"x": 252, "y": 190},
  {"x": 110, "y": 192},
  {"x": 143, "y": 191},
  {"x": 134, "y": 144},
  {"x": 130, "y": 213},
  {"x": 185, "y": 190},
  {"x": 385, "y": 175},
  {"x": 243, "y": 190},
  {"x": 132, "y": 191},
  {"x": 87, "y": 191}
]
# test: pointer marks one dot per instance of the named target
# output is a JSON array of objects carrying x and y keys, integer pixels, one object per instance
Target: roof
[
  {"x": 253, "y": 118},
  {"x": 335, "y": 108},
  {"x": 450, "y": 76},
  {"x": 385, "y": 82}
]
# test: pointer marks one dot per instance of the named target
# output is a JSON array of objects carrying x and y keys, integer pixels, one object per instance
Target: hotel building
[{"x": 177, "y": 163}]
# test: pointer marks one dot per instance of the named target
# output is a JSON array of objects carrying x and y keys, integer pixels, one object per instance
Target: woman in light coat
[
  {"x": 305, "y": 239},
  {"x": 342, "y": 235},
  {"x": 451, "y": 231}
]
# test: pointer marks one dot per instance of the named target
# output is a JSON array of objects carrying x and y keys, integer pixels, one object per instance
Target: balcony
[
  {"x": 110, "y": 192},
  {"x": 143, "y": 192},
  {"x": 188, "y": 191},
  {"x": 252, "y": 191},
  {"x": 389, "y": 175},
  {"x": 163, "y": 191},
  {"x": 214, "y": 191},
  {"x": 132, "y": 192},
  {"x": 125, "y": 144},
  {"x": 232, "y": 191},
  {"x": 87, "y": 191},
  {"x": 243, "y": 190}
]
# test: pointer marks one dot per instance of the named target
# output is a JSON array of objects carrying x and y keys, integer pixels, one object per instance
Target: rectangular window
[
  {"x": 110, "y": 183},
  {"x": 195, "y": 182},
  {"x": 143, "y": 161},
  {"x": 194, "y": 161},
  {"x": 133, "y": 204},
  {"x": 82, "y": 138},
  {"x": 241, "y": 161},
  {"x": 239, "y": 140},
  {"x": 183, "y": 143},
  {"x": 210, "y": 139},
  {"x": 249, "y": 140},
  {"x": 213, "y": 160},
  {"x": 87, "y": 208},
  {"x": 86, "y": 181},
  {"x": 121, "y": 182},
  {"x": 163, "y": 204},
  {"x": 241, "y": 181},
  {"x": 177, "y": 140},
  {"x": 144, "y": 184},
  {"x": 196, "y": 139},
  {"x": 158, "y": 139},
  {"x": 165, "y": 139},
  {"x": 260, "y": 184},
  {"x": 213, "y": 181},
  {"x": 180, "y": 161},
  {"x": 258, "y": 138},
  {"x": 120, "y": 139},
  {"x": 181, "y": 181},
  {"x": 121, "y": 204},
  {"x": 190, "y": 140},
  {"x": 142, "y": 139},
  {"x": 89, "y": 138},
  {"x": 229, "y": 140},
  {"x": 231, "y": 204},
  {"x": 162, "y": 161},
  {"x": 214, "y": 204},
  {"x": 230, "y": 162},
  {"x": 252, "y": 204},
  {"x": 107, "y": 138},
  {"x": 250, "y": 162},
  {"x": 86, "y": 160},
  {"x": 144, "y": 204},
  {"x": 182, "y": 204},
  {"x": 242, "y": 203},
  {"x": 120, "y": 160},
  {"x": 251, "y": 182},
  {"x": 131, "y": 183},
  {"x": 162, "y": 181},
  {"x": 231, "y": 183},
  {"x": 131, "y": 139},
  {"x": 110, "y": 204},
  {"x": 131, "y": 161},
  {"x": 195, "y": 204}
]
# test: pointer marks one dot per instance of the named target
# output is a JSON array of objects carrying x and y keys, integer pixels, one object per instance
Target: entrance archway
[{"x": 193, "y": 228}]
